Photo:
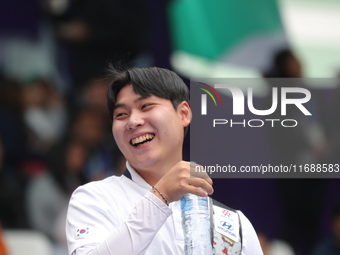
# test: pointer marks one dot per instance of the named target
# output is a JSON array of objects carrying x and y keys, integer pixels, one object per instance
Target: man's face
[{"x": 149, "y": 131}]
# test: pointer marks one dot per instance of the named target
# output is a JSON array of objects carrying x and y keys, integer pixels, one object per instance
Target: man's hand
[{"x": 183, "y": 178}]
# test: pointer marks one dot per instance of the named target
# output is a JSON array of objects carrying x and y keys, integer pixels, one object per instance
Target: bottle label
[
  {"x": 186, "y": 205},
  {"x": 227, "y": 223}
]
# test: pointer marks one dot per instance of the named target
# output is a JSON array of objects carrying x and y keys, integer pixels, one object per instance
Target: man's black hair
[{"x": 147, "y": 81}]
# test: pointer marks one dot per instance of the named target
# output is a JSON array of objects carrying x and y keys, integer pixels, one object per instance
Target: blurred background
[{"x": 55, "y": 131}]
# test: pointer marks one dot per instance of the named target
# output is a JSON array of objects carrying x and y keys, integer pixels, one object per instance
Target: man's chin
[{"x": 143, "y": 163}]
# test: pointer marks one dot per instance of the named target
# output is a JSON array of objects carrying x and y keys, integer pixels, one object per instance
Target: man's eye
[
  {"x": 146, "y": 106},
  {"x": 119, "y": 115}
]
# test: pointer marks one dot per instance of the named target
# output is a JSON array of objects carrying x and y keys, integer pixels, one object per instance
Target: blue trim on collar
[{"x": 127, "y": 174}]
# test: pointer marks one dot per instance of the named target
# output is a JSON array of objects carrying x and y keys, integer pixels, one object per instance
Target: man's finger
[
  {"x": 198, "y": 171},
  {"x": 202, "y": 184}
]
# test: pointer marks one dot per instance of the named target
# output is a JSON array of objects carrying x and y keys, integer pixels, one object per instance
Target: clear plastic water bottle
[{"x": 196, "y": 225}]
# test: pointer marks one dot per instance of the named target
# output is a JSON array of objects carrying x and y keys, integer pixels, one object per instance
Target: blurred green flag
[{"x": 239, "y": 32}]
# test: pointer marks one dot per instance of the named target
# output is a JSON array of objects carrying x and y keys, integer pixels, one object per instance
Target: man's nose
[{"x": 135, "y": 120}]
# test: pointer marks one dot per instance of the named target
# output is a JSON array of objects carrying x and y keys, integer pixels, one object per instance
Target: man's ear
[{"x": 184, "y": 111}]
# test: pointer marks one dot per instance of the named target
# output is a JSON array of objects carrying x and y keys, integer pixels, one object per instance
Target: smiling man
[{"x": 139, "y": 212}]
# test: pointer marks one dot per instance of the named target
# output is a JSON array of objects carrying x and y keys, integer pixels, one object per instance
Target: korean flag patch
[{"x": 82, "y": 232}]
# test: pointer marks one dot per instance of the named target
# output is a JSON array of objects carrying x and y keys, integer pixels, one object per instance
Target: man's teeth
[{"x": 142, "y": 139}]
